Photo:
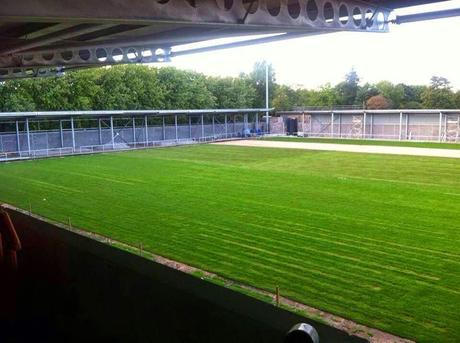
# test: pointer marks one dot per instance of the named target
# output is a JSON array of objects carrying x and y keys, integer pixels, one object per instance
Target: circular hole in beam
[
  {"x": 369, "y": 18},
  {"x": 48, "y": 56},
  {"x": 328, "y": 12},
  {"x": 380, "y": 19},
  {"x": 117, "y": 54},
  {"x": 67, "y": 55},
  {"x": 133, "y": 55},
  {"x": 101, "y": 54},
  {"x": 84, "y": 54},
  {"x": 293, "y": 8},
  {"x": 343, "y": 14},
  {"x": 312, "y": 10},
  {"x": 357, "y": 16},
  {"x": 274, "y": 7}
]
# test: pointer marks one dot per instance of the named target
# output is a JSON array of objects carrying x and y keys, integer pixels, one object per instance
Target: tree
[
  {"x": 348, "y": 89},
  {"x": 394, "y": 93},
  {"x": 439, "y": 94},
  {"x": 232, "y": 92},
  {"x": 378, "y": 102},
  {"x": 257, "y": 77},
  {"x": 285, "y": 98}
]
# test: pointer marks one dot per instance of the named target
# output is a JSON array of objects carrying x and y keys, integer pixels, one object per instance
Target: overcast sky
[{"x": 410, "y": 53}]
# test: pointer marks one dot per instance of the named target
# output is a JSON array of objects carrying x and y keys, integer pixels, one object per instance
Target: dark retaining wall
[{"x": 70, "y": 288}]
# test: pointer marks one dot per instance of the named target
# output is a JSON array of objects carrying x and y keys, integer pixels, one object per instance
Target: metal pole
[
  {"x": 364, "y": 124},
  {"x": 440, "y": 126},
  {"x": 226, "y": 126},
  {"x": 340, "y": 125},
  {"x": 28, "y": 135},
  {"x": 202, "y": 126},
  {"x": 213, "y": 128},
  {"x": 134, "y": 130},
  {"x": 400, "y": 124},
  {"x": 257, "y": 123},
  {"x": 111, "y": 132},
  {"x": 146, "y": 129},
  {"x": 18, "y": 143},
  {"x": 61, "y": 133},
  {"x": 175, "y": 125},
  {"x": 190, "y": 125},
  {"x": 407, "y": 126},
  {"x": 303, "y": 123},
  {"x": 266, "y": 98},
  {"x": 100, "y": 131},
  {"x": 73, "y": 134},
  {"x": 164, "y": 129},
  {"x": 245, "y": 123},
  {"x": 372, "y": 126},
  {"x": 332, "y": 124}
]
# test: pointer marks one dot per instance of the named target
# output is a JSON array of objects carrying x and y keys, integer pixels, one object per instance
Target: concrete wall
[{"x": 70, "y": 288}]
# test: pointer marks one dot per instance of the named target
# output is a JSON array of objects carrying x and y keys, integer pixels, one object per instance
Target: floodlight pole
[{"x": 267, "y": 120}]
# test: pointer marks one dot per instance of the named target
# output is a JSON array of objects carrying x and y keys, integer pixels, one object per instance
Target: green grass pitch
[
  {"x": 433, "y": 145},
  {"x": 373, "y": 238}
]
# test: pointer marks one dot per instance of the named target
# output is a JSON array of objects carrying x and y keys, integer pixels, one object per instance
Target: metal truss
[{"x": 46, "y": 40}]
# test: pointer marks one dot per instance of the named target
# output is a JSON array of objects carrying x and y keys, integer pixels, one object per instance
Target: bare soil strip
[{"x": 367, "y": 149}]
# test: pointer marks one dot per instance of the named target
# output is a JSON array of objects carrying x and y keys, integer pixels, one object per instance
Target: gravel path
[{"x": 369, "y": 149}]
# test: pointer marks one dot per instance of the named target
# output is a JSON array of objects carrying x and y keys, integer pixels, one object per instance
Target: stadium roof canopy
[{"x": 45, "y": 37}]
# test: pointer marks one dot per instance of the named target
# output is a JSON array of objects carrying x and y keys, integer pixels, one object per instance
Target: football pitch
[{"x": 373, "y": 238}]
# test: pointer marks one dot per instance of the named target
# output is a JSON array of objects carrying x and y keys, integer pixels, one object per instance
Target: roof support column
[
  {"x": 407, "y": 126},
  {"x": 364, "y": 124},
  {"x": 226, "y": 126},
  {"x": 73, "y": 134},
  {"x": 440, "y": 127},
  {"x": 332, "y": 124},
  {"x": 99, "y": 127},
  {"x": 61, "y": 133},
  {"x": 146, "y": 127},
  {"x": 213, "y": 127},
  {"x": 340, "y": 125},
  {"x": 18, "y": 143},
  {"x": 112, "y": 133},
  {"x": 190, "y": 126},
  {"x": 164, "y": 129},
  {"x": 28, "y": 135},
  {"x": 257, "y": 123},
  {"x": 400, "y": 125},
  {"x": 202, "y": 126},
  {"x": 175, "y": 126},
  {"x": 134, "y": 131},
  {"x": 371, "y": 129}
]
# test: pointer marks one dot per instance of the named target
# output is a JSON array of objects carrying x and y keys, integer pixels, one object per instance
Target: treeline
[
  {"x": 383, "y": 95},
  {"x": 144, "y": 87}
]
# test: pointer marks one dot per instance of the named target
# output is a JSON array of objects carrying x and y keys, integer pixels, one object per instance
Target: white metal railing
[{"x": 108, "y": 147}]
